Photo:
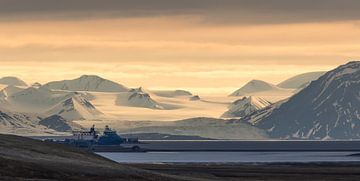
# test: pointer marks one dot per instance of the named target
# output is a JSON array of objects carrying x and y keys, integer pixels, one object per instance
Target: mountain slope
[
  {"x": 14, "y": 81},
  {"x": 9, "y": 91},
  {"x": 137, "y": 98},
  {"x": 204, "y": 127},
  {"x": 21, "y": 124},
  {"x": 301, "y": 80},
  {"x": 254, "y": 86},
  {"x": 245, "y": 106},
  {"x": 87, "y": 83},
  {"x": 27, "y": 159},
  {"x": 328, "y": 108},
  {"x": 45, "y": 102},
  {"x": 74, "y": 108},
  {"x": 33, "y": 100},
  {"x": 57, "y": 123}
]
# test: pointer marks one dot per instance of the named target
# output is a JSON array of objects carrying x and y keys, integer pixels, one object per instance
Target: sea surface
[{"x": 231, "y": 157}]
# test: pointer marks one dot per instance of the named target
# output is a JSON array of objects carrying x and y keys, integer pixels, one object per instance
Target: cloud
[{"x": 211, "y": 11}]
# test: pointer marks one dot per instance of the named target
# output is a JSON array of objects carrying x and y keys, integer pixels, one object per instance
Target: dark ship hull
[{"x": 110, "y": 141}]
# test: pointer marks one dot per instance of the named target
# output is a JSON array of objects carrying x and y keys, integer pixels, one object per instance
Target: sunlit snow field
[{"x": 208, "y": 106}]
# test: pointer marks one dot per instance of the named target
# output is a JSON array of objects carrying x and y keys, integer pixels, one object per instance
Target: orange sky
[{"x": 177, "y": 51}]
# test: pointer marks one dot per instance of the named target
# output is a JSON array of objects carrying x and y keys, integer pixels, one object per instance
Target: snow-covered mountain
[
  {"x": 75, "y": 107},
  {"x": 9, "y": 91},
  {"x": 87, "y": 83},
  {"x": 15, "y": 120},
  {"x": 33, "y": 100},
  {"x": 328, "y": 108},
  {"x": 22, "y": 110},
  {"x": 21, "y": 124},
  {"x": 255, "y": 86},
  {"x": 14, "y": 81},
  {"x": 45, "y": 102},
  {"x": 245, "y": 106},
  {"x": 300, "y": 81},
  {"x": 58, "y": 123},
  {"x": 137, "y": 98}
]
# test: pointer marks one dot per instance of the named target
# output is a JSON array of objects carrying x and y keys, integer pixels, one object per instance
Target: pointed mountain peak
[
  {"x": 137, "y": 98},
  {"x": 75, "y": 107},
  {"x": 138, "y": 90},
  {"x": 246, "y": 106}
]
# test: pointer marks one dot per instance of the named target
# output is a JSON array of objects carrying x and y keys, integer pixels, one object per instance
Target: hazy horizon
[{"x": 220, "y": 91}]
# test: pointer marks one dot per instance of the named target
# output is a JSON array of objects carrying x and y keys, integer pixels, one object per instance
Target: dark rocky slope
[{"x": 25, "y": 158}]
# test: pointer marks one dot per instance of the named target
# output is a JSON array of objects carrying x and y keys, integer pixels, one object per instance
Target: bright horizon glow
[{"x": 213, "y": 81}]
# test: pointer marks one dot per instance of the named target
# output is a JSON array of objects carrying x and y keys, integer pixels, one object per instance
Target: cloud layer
[
  {"x": 211, "y": 11},
  {"x": 201, "y": 45}
]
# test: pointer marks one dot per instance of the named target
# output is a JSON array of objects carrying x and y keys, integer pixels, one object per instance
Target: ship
[{"x": 109, "y": 141}]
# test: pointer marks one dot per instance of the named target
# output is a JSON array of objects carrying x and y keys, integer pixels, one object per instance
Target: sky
[{"x": 205, "y": 46}]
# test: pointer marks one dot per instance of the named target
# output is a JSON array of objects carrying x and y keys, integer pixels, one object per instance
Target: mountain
[
  {"x": 327, "y": 108},
  {"x": 21, "y": 124},
  {"x": 87, "y": 83},
  {"x": 57, "y": 123},
  {"x": 300, "y": 81},
  {"x": 75, "y": 107},
  {"x": 245, "y": 106},
  {"x": 45, "y": 102},
  {"x": 137, "y": 98},
  {"x": 195, "y": 98},
  {"x": 33, "y": 99},
  {"x": 9, "y": 91},
  {"x": 203, "y": 127},
  {"x": 255, "y": 86},
  {"x": 22, "y": 110},
  {"x": 15, "y": 120},
  {"x": 172, "y": 93},
  {"x": 14, "y": 81}
]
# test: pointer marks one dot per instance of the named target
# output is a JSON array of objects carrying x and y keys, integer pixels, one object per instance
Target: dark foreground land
[
  {"x": 28, "y": 159},
  {"x": 265, "y": 172}
]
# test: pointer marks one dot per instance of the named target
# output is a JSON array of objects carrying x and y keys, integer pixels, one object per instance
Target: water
[{"x": 230, "y": 157}]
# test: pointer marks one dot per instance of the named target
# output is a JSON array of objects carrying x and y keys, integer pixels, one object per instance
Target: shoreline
[{"x": 262, "y": 171}]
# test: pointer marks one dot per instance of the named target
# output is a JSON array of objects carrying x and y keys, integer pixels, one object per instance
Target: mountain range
[
  {"x": 295, "y": 83},
  {"x": 326, "y": 109},
  {"x": 87, "y": 83},
  {"x": 314, "y": 105}
]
